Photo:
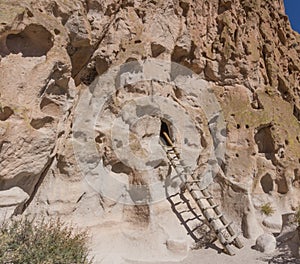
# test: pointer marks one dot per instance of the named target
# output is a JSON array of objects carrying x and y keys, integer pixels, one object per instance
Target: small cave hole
[
  {"x": 237, "y": 155},
  {"x": 282, "y": 186},
  {"x": 5, "y": 113},
  {"x": 238, "y": 126},
  {"x": 165, "y": 135},
  {"x": 100, "y": 138},
  {"x": 178, "y": 93},
  {"x": 266, "y": 183},
  {"x": 87, "y": 77},
  {"x": 29, "y": 13},
  {"x": 120, "y": 167},
  {"x": 50, "y": 108},
  {"x": 185, "y": 8},
  {"x": 41, "y": 122},
  {"x": 33, "y": 41},
  {"x": 101, "y": 65},
  {"x": 247, "y": 126},
  {"x": 56, "y": 31},
  {"x": 179, "y": 54},
  {"x": 264, "y": 140},
  {"x": 157, "y": 49}
]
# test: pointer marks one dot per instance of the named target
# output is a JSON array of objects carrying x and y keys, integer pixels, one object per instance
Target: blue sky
[{"x": 292, "y": 9}]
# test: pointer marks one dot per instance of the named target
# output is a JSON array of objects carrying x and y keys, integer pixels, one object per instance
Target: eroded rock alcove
[{"x": 33, "y": 41}]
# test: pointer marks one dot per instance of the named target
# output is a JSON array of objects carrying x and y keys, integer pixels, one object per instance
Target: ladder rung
[
  {"x": 178, "y": 203},
  {"x": 194, "y": 218},
  {"x": 173, "y": 158},
  {"x": 186, "y": 211},
  {"x": 173, "y": 150},
  {"x": 195, "y": 190},
  {"x": 215, "y": 218},
  {"x": 173, "y": 195},
  {"x": 224, "y": 227},
  {"x": 231, "y": 240},
  {"x": 196, "y": 227},
  {"x": 204, "y": 197},
  {"x": 211, "y": 207}
]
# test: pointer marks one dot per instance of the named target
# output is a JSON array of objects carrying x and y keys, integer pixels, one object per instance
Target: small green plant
[
  {"x": 26, "y": 241},
  {"x": 267, "y": 209}
]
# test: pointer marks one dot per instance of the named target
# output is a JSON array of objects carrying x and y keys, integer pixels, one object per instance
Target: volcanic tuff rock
[{"x": 52, "y": 51}]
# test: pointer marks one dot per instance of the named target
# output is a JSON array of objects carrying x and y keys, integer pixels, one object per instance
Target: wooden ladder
[{"x": 203, "y": 198}]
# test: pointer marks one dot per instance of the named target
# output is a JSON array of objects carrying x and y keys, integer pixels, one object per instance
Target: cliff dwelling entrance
[
  {"x": 267, "y": 183},
  {"x": 165, "y": 132}
]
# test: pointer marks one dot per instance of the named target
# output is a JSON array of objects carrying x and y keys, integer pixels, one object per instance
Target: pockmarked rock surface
[{"x": 52, "y": 55}]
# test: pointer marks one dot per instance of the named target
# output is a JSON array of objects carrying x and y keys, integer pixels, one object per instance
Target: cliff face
[{"x": 53, "y": 51}]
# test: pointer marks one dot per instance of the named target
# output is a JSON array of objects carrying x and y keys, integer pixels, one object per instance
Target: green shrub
[
  {"x": 39, "y": 242},
  {"x": 267, "y": 209}
]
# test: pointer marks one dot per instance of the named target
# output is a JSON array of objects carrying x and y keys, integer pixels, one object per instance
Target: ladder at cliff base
[{"x": 210, "y": 210}]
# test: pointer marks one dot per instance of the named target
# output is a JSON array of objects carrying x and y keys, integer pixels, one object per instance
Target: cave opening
[
  {"x": 267, "y": 183},
  {"x": 34, "y": 41},
  {"x": 165, "y": 135},
  {"x": 265, "y": 142}
]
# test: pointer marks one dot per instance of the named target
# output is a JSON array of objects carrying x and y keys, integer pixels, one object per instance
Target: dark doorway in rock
[
  {"x": 267, "y": 183},
  {"x": 264, "y": 140},
  {"x": 165, "y": 135}
]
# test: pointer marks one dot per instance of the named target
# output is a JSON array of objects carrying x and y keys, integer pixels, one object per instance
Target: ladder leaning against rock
[{"x": 210, "y": 210}]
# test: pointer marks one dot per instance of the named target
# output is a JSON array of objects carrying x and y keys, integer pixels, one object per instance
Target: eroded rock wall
[{"x": 51, "y": 51}]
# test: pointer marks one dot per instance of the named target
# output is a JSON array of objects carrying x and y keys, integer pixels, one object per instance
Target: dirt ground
[{"x": 246, "y": 255}]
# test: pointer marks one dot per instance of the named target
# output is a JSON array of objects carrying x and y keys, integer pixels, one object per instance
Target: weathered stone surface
[
  {"x": 290, "y": 234},
  {"x": 52, "y": 51},
  {"x": 273, "y": 222},
  {"x": 10, "y": 199},
  {"x": 177, "y": 245},
  {"x": 12, "y": 196},
  {"x": 266, "y": 243}
]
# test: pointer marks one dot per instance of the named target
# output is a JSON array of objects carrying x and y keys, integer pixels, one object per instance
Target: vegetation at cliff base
[
  {"x": 27, "y": 241},
  {"x": 267, "y": 209}
]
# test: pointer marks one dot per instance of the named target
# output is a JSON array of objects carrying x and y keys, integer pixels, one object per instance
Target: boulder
[
  {"x": 9, "y": 200},
  {"x": 265, "y": 243},
  {"x": 12, "y": 197},
  {"x": 177, "y": 245}
]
